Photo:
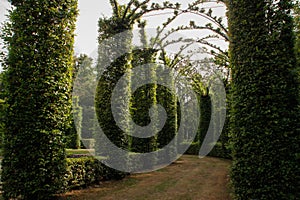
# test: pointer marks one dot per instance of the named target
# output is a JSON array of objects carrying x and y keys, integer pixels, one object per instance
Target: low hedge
[
  {"x": 219, "y": 150},
  {"x": 193, "y": 149},
  {"x": 71, "y": 152},
  {"x": 86, "y": 171}
]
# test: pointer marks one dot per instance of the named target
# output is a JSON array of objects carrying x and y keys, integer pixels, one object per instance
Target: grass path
[{"x": 190, "y": 178}]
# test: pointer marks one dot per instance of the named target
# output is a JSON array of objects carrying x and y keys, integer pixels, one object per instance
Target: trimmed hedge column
[
  {"x": 265, "y": 116},
  {"x": 40, "y": 42},
  {"x": 168, "y": 100},
  {"x": 109, "y": 27},
  {"x": 144, "y": 97}
]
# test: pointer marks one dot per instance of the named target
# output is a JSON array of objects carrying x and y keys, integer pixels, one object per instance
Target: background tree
[
  {"x": 83, "y": 102},
  {"x": 265, "y": 115},
  {"x": 73, "y": 132},
  {"x": 39, "y": 38}
]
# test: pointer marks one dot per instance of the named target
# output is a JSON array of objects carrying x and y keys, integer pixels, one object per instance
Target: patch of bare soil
[{"x": 189, "y": 178}]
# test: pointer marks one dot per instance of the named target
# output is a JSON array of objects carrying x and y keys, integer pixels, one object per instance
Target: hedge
[
  {"x": 87, "y": 171},
  {"x": 109, "y": 27},
  {"x": 40, "y": 41},
  {"x": 219, "y": 150},
  {"x": 265, "y": 106}
]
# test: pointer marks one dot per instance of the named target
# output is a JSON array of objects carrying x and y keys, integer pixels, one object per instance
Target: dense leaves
[
  {"x": 86, "y": 171},
  {"x": 82, "y": 118},
  {"x": 297, "y": 33},
  {"x": 142, "y": 100},
  {"x": 139, "y": 103},
  {"x": 265, "y": 115},
  {"x": 120, "y": 21},
  {"x": 3, "y": 105},
  {"x": 40, "y": 41}
]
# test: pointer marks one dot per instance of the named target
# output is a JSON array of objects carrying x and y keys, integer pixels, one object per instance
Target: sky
[{"x": 91, "y": 10}]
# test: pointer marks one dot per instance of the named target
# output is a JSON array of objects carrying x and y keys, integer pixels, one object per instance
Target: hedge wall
[
  {"x": 39, "y": 37},
  {"x": 265, "y": 115},
  {"x": 86, "y": 171}
]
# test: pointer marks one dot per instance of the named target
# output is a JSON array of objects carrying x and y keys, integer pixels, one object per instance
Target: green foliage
[
  {"x": 84, "y": 89},
  {"x": 73, "y": 133},
  {"x": 83, "y": 102},
  {"x": 264, "y": 115},
  {"x": 40, "y": 41},
  {"x": 120, "y": 21},
  {"x": 297, "y": 29},
  {"x": 220, "y": 151},
  {"x": 297, "y": 34},
  {"x": 86, "y": 171},
  {"x": 70, "y": 152},
  {"x": 89, "y": 143},
  {"x": 142, "y": 100},
  {"x": 167, "y": 99},
  {"x": 123, "y": 18},
  {"x": 82, "y": 172},
  {"x": 205, "y": 116},
  {"x": 3, "y": 106},
  {"x": 193, "y": 149},
  {"x": 2, "y": 125}
]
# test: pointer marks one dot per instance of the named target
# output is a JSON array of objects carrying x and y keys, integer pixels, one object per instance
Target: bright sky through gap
[{"x": 91, "y": 10}]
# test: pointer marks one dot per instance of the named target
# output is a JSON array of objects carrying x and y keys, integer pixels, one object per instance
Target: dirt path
[{"x": 190, "y": 178}]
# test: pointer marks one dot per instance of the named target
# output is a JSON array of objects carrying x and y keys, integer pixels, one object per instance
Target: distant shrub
[
  {"x": 193, "y": 149},
  {"x": 219, "y": 150}
]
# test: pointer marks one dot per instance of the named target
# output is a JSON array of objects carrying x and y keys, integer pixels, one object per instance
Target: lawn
[{"x": 189, "y": 178}]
